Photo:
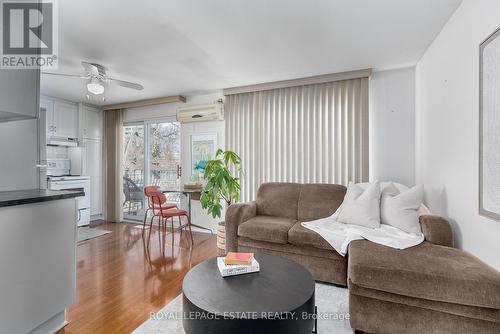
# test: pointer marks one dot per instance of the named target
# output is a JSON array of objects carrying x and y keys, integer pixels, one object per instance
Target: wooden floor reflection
[{"x": 121, "y": 277}]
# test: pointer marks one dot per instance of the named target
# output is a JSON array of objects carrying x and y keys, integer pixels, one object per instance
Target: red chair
[
  {"x": 159, "y": 210},
  {"x": 148, "y": 192}
]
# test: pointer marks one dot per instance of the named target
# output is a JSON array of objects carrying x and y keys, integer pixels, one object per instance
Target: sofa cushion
[
  {"x": 300, "y": 250},
  {"x": 301, "y": 236},
  {"x": 266, "y": 228},
  {"x": 278, "y": 199},
  {"x": 425, "y": 271},
  {"x": 324, "y": 265},
  {"x": 319, "y": 200}
]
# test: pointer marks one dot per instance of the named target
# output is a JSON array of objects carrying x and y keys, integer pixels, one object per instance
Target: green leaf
[{"x": 222, "y": 186}]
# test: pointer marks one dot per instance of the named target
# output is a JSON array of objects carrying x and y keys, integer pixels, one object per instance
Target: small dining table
[{"x": 188, "y": 192}]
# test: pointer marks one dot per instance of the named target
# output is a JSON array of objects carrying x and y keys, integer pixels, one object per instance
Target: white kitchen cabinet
[
  {"x": 48, "y": 106},
  {"x": 65, "y": 119},
  {"x": 91, "y": 123},
  {"x": 93, "y": 168},
  {"x": 93, "y": 150},
  {"x": 61, "y": 118},
  {"x": 91, "y": 137},
  {"x": 72, "y": 120}
]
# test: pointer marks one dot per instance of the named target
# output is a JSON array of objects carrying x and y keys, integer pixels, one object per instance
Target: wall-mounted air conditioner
[{"x": 200, "y": 113}]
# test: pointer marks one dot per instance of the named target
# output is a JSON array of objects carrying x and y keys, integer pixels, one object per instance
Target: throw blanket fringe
[{"x": 340, "y": 235}]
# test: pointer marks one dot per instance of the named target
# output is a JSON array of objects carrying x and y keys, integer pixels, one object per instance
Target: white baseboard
[{"x": 96, "y": 217}]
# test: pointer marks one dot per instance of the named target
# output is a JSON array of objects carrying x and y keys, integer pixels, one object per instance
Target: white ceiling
[{"x": 198, "y": 46}]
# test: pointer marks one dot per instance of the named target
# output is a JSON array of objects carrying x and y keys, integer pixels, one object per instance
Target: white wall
[
  {"x": 447, "y": 126},
  {"x": 168, "y": 111},
  {"x": 18, "y": 152},
  {"x": 392, "y": 126}
]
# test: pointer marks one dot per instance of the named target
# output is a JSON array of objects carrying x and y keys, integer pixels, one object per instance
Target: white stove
[
  {"x": 57, "y": 180},
  {"x": 68, "y": 177}
]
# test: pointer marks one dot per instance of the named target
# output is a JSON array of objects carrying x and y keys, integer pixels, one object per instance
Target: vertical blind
[{"x": 314, "y": 133}]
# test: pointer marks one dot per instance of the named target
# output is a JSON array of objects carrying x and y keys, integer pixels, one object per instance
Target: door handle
[{"x": 179, "y": 171}]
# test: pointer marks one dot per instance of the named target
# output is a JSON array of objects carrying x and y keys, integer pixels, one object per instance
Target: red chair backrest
[
  {"x": 157, "y": 199},
  {"x": 148, "y": 191}
]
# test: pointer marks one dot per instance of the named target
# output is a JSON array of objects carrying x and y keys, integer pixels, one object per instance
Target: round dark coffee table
[{"x": 278, "y": 299}]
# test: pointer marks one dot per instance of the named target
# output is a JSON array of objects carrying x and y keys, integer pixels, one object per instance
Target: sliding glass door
[
  {"x": 151, "y": 157},
  {"x": 164, "y": 154}
]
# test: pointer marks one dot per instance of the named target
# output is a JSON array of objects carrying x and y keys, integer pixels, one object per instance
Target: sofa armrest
[
  {"x": 235, "y": 215},
  {"x": 436, "y": 230}
]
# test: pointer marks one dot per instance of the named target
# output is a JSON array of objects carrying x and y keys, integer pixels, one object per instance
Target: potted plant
[{"x": 222, "y": 187}]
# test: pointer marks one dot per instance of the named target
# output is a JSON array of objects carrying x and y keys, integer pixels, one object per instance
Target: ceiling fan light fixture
[{"x": 95, "y": 87}]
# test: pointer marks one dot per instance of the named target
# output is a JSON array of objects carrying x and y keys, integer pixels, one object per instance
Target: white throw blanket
[{"x": 339, "y": 235}]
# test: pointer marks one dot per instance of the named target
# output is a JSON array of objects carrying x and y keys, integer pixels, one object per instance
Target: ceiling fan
[{"x": 97, "y": 78}]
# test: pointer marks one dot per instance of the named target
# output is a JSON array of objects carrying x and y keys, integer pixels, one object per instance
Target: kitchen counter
[{"x": 20, "y": 197}]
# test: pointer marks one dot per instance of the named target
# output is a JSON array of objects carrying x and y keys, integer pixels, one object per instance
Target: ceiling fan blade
[
  {"x": 67, "y": 75},
  {"x": 94, "y": 69},
  {"x": 126, "y": 84}
]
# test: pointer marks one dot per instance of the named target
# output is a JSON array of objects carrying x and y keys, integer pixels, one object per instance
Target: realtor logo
[{"x": 29, "y": 34}]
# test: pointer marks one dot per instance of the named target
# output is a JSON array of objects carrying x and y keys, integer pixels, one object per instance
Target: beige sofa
[
  {"x": 271, "y": 224},
  {"x": 429, "y": 288}
]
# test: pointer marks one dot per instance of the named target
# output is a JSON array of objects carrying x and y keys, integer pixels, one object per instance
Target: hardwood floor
[{"x": 120, "y": 281}]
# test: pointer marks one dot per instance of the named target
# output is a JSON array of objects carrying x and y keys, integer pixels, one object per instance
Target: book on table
[
  {"x": 237, "y": 269},
  {"x": 238, "y": 258}
]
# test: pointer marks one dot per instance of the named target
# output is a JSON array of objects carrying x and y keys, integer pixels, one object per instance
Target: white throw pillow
[
  {"x": 400, "y": 208},
  {"x": 360, "y": 206},
  {"x": 385, "y": 184},
  {"x": 423, "y": 210}
]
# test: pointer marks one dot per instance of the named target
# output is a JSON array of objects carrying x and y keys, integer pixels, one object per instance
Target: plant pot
[{"x": 221, "y": 238}]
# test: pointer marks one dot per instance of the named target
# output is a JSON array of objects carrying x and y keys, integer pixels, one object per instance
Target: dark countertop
[{"x": 19, "y": 197}]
